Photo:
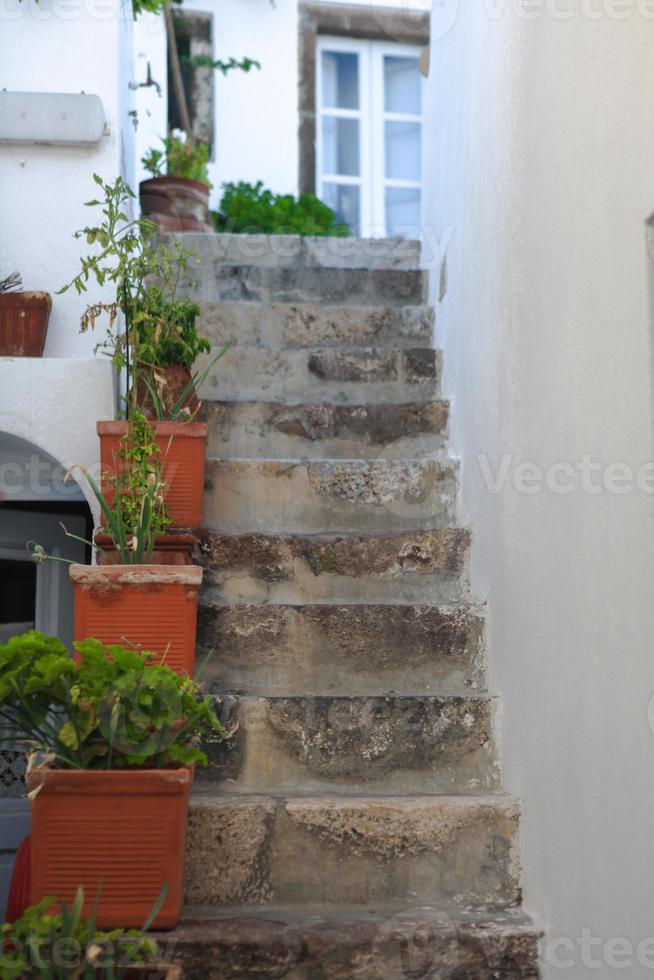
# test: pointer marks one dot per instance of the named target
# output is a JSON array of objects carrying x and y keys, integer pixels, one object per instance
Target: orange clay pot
[
  {"x": 120, "y": 833},
  {"x": 169, "y": 549},
  {"x": 183, "y": 446},
  {"x": 153, "y": 607}
]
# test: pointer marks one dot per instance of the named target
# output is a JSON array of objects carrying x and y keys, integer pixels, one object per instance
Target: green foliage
[
  {"x": 139, "y": 511},
  {"x": 112, "y": 710},
  {"x": 146, "y": 277},
  {"x": 185, "y": 158},
  {"x": 43, "y": 945},
  {"x": 232, "y": 64},
  {"x": 149, "y": 6},
  {"x": 252, "y": 209}
]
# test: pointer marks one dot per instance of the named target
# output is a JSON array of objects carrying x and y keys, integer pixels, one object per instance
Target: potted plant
[
  {"x": 112, "y": 741},
  {"x": 51, "y": 941},
  {"x": 128, "y": 598},
  {"x": 23, "y": 319},
  {"x": 133, "y": 483},
  {"x": 160, "y": 333},
  {"x": 177, "y": 200}
]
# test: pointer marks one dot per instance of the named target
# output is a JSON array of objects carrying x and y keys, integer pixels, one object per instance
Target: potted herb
[
  {"x": 126, "y": 597},
  {"x": 177, "y": 199},
  {"x": 51, "y": 941},
  {"x": 23, "y": 319},
  {"x": 112, "y": 742},
  {"x": 160, "y": 333}
]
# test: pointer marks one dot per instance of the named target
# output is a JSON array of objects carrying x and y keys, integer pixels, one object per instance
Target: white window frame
[{"x": 372, "y": 116}]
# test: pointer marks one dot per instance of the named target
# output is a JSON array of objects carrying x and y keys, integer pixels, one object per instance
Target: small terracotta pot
[
  {"x": 169, "y": 549},
  {"x": 154, "y": 607},
  {"x": 183, "y": 446},
  {"x": 120, "y": 833},
  {"x": 24, "y": 323},
  {"x": 175, "y": 204},
  {"x": 174, "y": 380}
]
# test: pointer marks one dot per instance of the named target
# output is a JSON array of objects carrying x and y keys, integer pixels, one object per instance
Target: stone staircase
[{"x": 354, "y": 825}]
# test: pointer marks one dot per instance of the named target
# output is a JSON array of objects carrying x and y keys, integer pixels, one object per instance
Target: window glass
[
  {"x": 402, "y": 86},
  {"x": 340, "y": 146},
  {"x": 402, "y": 150},
  {"x": 340, "y": 80},
  {"x": 345, "y": 201}
]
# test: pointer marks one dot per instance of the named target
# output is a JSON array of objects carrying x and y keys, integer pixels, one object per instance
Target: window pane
[
  {"x": 340, "y": 80},
  {"x": 402, "y": 87},
  {"x": 344, "y": 200},
  {"x": 402, "y": 143},
  {"x": 340, "y": 146},
  {"x": 403, "y": 212}
]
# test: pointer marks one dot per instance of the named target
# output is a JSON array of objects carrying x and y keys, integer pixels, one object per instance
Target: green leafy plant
[
  {"x": 232, "y": 64},
  {"x": 146, "y": 277},
  {"x": 47, "y": 945},
  {"x": 112, "y": 709},
  {"x": 252, "y": 209},
  {"x": 181, "y": 157}
]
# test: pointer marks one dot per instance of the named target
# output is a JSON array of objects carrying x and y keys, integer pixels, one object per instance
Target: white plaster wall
[
  {"x": 61, "y": 46},
  {"x": 539, "y": 143}
]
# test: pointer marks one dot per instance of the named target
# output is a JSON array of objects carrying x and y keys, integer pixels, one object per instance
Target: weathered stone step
[
  {"x": 292, "y": 496},
  {"x": 428, "y": 566},
  {"x": 221, "y": 282},
  {"x": 353, "y": 376},
  {"x": 403, "y": 744},
  {"x": 353, "y": 851},
  {"x": 427, "y": 943},
  {"x": 319, "y": 431},
  {"x": 295, "y": 251},
  {"x": 346, "y": 649},
  {"x": 280, "y": 325}
]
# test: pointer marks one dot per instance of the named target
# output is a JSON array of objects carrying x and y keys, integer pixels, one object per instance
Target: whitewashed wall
[
  {"x": 540, "y": 136},
  {"x": 54, "y": 46}
]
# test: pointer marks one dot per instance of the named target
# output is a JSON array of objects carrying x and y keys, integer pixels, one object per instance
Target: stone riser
[
  {"x": 417, "y": 566},
  {"x": 354, "y": 745},
  {"x": 291, "y": 325},
  {"x": 269, "y": 430},
  {"x": 320, "y": 497},
  {"x": 286, "y": 944},
  {"x": 220, "y": 282},
  {"x": 327, "y": 649},
  {"x": 357, "y": 851},
  {"x": 294, "y": 251},
  {"x": 325, "y": 376}
]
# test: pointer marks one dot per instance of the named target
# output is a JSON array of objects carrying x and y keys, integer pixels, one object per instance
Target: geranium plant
[
  {"x": 182, "y": 156},
  {"x": 108, "y": 709}
]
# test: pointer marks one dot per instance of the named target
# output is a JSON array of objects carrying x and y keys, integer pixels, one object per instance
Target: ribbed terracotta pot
[
  {"x": 154, "y": 607},
  {"x": 169, "y": 549},
  {"x": 183, "y": 446},
  {"x": 176, "y": 204},
  {"x": 24, "y": 323},
  {"x": 120, "y": 833}
]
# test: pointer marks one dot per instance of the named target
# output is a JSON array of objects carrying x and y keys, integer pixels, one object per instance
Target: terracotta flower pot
[
  {"x": 23, "y": 323},
  {"x": 169, "y": 549},
  {"x": 183, "y": 446},
  {"x": 154, "y": 607},
  {"x": 175, "y": 204},
  {"x": 122, "y": 830}
]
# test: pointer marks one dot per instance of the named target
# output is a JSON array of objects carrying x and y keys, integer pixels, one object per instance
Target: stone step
[
  {"x": 217, "y": 282},
  {"x": 405, "y": 566},
  {"x": 292, "y": 496},
  {"x": 353, "y": 851},
  {"x": 281, "y": 325},
  {"x": 356, "y": 376},
  {"x": 346, "y": 649},
  {"x": 402, "y": 744},
  {"x": 272, "y": 430},
  {"x": 428, "y": 943},
  {"x": 295, "y": 251}
]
